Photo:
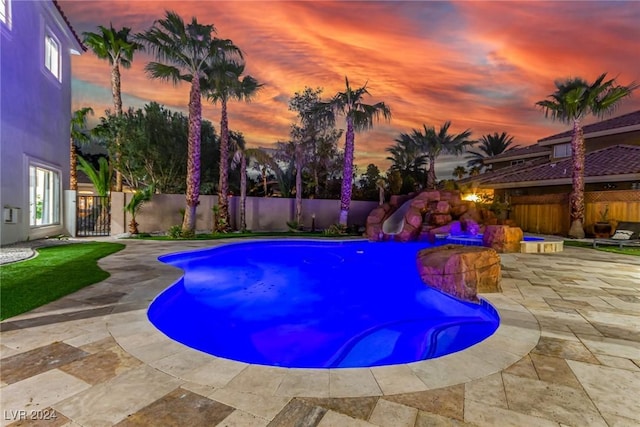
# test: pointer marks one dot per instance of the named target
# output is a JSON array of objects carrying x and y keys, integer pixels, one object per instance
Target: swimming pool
[{"x": 315, "y": 304}]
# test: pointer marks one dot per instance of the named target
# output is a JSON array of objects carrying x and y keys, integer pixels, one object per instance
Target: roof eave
[
  {"x": 607, "y": 132},
  {"x": 562, "y": 181}
]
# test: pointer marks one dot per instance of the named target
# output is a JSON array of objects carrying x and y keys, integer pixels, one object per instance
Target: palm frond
[{"x": 100, "y": 178}]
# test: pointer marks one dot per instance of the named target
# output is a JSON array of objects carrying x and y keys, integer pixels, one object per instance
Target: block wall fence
[{"x": 262, "y": 213}]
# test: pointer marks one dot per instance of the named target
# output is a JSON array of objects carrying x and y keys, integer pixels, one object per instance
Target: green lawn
[
  {"x": 614, "y": 249},
  {"x": 57, "y": 271}
]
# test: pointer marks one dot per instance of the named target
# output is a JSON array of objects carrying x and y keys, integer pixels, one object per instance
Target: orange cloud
[{"x": 482, "y": 65}]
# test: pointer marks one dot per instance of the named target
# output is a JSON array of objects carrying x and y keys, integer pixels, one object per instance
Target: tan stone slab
[
  {"x": 447, "y": 401},
  {"x": 564, "y": 349},
  {"x": 355, "y": 407},
  {"x": 479, "y": 414},
  {"x": 562, "y": 335},
  {"x": 388, "y": 413},
  {"x": 523, "y": 368},
  {"x": 611, "y": 346},
  {"x": 102, "y": 366},
  {"x": 89, "y": 338},
  {"x": 617, "y": 362},
  {"x": 258, "y": 379},
  {"x": 554, "y": 370},
  {"x": 396, "y": 379},
  {"x": 177, "y": 408},
  {"x": 154, "y": 351},
  {"x": 216, "y": 372},
  {"x": 335, "y": 419},
  {"x": 261, "y": 406},
  {"x": 39, "y": 392},
  {"x": 441, "y": 373},
  {"x": 428, "y": 419},
  {"x": 617, "y": 395},
  {"x": 110, "y": 402},
  {"x": 243, "y": 419},
  {"x": 28, "y": 364},
  {"x": 352, "y": 383},
  {"x": 551, "y": 401},
  {"x": 178, "y": 364},
  {"x": 97, "y": 346},
  {"x": 488, "y": 390},
  {"x": 305, "y": 382}
]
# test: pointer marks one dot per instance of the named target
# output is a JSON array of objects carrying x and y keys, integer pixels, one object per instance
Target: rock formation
[{"x": 460, "y": 271}]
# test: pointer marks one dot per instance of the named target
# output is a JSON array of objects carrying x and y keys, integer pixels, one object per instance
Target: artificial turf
[
  {"x": 614, "y": 249},
  {"x": 56, "y": 271}
]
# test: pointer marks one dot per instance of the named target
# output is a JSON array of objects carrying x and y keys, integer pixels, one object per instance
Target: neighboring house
[
  {"x": 612, "y": 162},
  {"x": 35, "y": 111},
  {"x": 536, "y": 181}
]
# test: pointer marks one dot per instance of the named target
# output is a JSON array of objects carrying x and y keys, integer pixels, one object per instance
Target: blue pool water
[
  {"x": 469, "y": 240},
  {"x": 315, "y": 304}
]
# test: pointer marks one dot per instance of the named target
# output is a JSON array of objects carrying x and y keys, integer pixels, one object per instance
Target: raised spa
[{"x": 315, "y": 304}]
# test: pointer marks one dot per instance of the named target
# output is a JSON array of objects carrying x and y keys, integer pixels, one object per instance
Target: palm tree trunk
[
  {"x": 298, "y": 184},
  {"x": 117, "y": 104},
  {"x": 576, "y": 199},
  {"x": 73, "y": 164},
  {"x": 431, "y": 174},
  {"x": 243, "y": 192},
  {"x": 223, "y": 187},
  {"x": 264, "y": 180},
  {"x": 193, "y": 158},
  {"x": 347, "y": 173}
]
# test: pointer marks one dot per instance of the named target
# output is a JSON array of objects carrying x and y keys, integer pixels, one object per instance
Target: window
[
  {"x": 517, "y": 162},
  {"x": 44, "y": 196},
  {"x": 5, "y": 12},
  {"x": 561, "y": 150},
  {"x": 52, "y": 55}
]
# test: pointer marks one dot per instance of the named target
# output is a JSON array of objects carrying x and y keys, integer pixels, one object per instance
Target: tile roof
[
  {"x": 609, "y": 161},
  {"x": 623, "y": 121},
  {"x": 519, "y": 152},
  {"x": 66, "y": 20},
  {"x": 494, "y": 174}
]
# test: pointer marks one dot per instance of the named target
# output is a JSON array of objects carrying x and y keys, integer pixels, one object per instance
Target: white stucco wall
[{"x": 35, "y": 111}]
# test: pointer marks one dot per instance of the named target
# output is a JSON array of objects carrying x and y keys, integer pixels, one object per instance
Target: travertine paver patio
[{"x": 567, "y": 353}]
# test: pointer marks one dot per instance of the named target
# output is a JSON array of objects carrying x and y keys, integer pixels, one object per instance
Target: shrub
[
  {"x": 175, "y": 232},
  {"x": 335, "y": 229}
]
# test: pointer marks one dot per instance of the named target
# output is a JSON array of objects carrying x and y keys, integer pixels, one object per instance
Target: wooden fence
[{"x": 549, "y": 213}]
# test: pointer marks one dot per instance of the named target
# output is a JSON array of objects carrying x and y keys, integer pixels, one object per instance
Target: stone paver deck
[{"x": 567, "y": 353}]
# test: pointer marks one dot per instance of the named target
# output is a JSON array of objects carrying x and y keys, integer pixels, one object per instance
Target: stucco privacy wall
[
  {"x": 262, "y": 213},
  {"x": 35, "y": 110}
]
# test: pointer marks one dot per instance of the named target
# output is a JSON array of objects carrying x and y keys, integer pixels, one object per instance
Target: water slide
[{"x": 393, "y": 224}]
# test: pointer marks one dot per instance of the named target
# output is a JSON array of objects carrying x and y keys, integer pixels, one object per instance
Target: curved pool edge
[{"x": 516, "y": 336}]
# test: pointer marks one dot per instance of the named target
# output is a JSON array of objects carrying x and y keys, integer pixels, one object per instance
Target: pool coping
[{"x": 517, "y": 334}]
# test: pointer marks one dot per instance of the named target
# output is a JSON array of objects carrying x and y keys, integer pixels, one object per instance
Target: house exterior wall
[{"x": 35, "y": 111}]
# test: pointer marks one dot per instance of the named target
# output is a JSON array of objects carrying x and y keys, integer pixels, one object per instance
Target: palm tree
[
  {"x": 474, "y": 171},
  {"x": 184, "y": 51},
  {"x": 435, "y": 143},
  {"x": 241, "y": 153},
  {"x": 101, "y": 180},
  {"x": 359, "y": 116},
  {"x": 224, "y": 83},
  {"x": 573, "y": 100},
  {"x": 380, "y": 185},
  {"x": 139, "y": 198},
  {"x": 115, "y": 46},
  {"x": 79, "y": 135},
  {"x": 408, "y": 159},
  {"x": 459, "y": 172},
  {"x": 490, "y": 145}
]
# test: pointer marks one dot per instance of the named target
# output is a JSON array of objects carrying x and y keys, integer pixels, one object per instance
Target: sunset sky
[{"x": 481, "y": 65}]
